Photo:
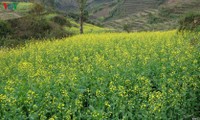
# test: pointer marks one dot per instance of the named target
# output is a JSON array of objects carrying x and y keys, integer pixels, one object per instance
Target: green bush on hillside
[
  {"x": 5, "y": 28},
  {"x": 165, "y": 12},
  {"x": 38, "y": 27},
  {"x": 30, "y": 27},
  {"x": 190, "y": 22},
  {"x": 152, "y": 19},
  {"x": 57, "y": 31},
  {"x": 37, "y": 9},
  {"x": 61, "y": 20},
  {"x": 127, "y": 27}
]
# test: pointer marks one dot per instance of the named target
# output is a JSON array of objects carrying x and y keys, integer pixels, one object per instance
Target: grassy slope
[
  {"x": 88, "y": 28},
  {"x": 23, "y": 9},
  {"x": 149, "y": 75}
]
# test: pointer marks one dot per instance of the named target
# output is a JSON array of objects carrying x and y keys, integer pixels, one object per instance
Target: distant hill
[
  {"x": 139, "y": 15},
  {"x": 145, "y": 15}
]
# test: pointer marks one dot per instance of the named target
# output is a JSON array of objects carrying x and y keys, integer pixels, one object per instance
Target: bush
[
  {"x": 37, "y": 9},
  {"x": 127, "y": 27},
  {"x": 30, "y": 27},
  {"x": 75, "y": 16},
  {"x": 35, "y": 26},
  {"x": 166, "y": 12},
  {"x": 152, "y": 19},
  {"x": 57, "y": 31},
  {"x": 61, "y": 20},
  {"x": 190, "y": 22},
  {"x": 40, "y": 28},
  {"x": 5, "y": 28}
]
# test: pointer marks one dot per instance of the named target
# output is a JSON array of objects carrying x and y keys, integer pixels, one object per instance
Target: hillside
[
  {"x": 139, "y": 15},
  {"x": 150, "y": 15},
  {"x": 30, "y": 21},
  {"x": 129, "y": 7}
]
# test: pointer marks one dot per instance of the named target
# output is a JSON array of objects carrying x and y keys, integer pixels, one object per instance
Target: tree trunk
[{"x": 81, "y": 22}]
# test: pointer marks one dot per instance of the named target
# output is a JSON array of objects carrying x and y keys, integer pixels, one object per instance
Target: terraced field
[
  {"x": 137, "y": 21},
  {"x": 138, "y": 14},
  {"x": 135, "y": 6}
]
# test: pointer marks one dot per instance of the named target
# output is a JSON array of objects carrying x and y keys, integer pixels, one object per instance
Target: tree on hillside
[
  {"x": 82, "y": 7},
  {"x": 127, "y": 27}
]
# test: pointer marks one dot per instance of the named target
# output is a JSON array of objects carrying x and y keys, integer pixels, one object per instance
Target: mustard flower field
[{"x": 136, "y": 76}]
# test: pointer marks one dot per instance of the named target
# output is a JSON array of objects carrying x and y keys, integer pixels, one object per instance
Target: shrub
[
  {"x": 61, "y": 20},
  {"x": 57, "y": 31},
  {"x": 37, "y": 9},
  {"x": 5, "y": 28},
  {"x": 190, "y": 22},
  {"x": 127, "y": 28},
  {"x": 40, "y": 28},
  {"x": 152, "y": 19},
  {"x": 166, "y": 12},
  {"x": 75, "y": 16},
  {"x": 30, "y": 27}
]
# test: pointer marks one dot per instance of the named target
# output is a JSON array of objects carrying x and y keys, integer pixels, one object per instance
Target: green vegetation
[
  {"x": 149, "y": 75},
  {"x": 190, "y": 22},
  {"x": 34, "y": 22},
  {"x": 37, "y": 9},
  {"x": 24, "y": 7},
  {"x": 40, "y": 27},
  {"x": 26, "y": 28},
  {"x": 61, "y": 20},
  {"x": 127, "y": 28},
  {"x": 5, "y": 28},
  {"x": 100, "y": 75}
]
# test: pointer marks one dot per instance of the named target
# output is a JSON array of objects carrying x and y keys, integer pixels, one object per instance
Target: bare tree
[{"x": 82, "y": 6}]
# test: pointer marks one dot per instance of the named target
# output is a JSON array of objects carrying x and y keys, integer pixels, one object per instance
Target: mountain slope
[
  {"x": 151, "y": 15},
  {"x": 139, "y": 15}
]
